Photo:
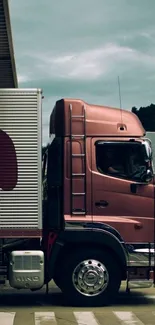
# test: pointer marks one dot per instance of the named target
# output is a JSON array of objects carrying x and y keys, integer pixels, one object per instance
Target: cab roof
[{"x": 99, "y": 120}]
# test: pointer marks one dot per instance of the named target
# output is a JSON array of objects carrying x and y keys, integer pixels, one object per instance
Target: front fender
[{"x": 79, "y": 236}]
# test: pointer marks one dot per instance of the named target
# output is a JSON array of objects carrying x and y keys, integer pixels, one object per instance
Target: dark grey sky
[{"x": 78, "y": 48}]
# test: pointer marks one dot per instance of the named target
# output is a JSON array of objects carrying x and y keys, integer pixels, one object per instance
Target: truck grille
[{"x": 26, "y": 263}]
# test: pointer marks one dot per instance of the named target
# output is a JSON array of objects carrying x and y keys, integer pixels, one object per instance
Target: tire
[
  {"x": 58, "y": 281},
  {"x": 82, "y": 270}
]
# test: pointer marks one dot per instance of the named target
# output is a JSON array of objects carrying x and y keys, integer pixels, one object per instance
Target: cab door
[{"x": 118, "y": 198}]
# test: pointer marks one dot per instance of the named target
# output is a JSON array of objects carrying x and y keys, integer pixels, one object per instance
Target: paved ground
[{"x": 24, "y": 308}]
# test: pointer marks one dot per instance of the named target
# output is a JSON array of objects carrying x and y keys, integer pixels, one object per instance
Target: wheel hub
[{"x": 90, "y": 277}]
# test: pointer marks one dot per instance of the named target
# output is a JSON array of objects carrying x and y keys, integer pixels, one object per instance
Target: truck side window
[{"x": 120, "y": 160}]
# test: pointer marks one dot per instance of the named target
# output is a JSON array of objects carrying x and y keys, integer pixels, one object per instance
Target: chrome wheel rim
[{"x": 90, "y": 277}]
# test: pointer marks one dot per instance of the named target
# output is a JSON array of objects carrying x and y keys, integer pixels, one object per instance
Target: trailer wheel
[{"x": 90, "y": 278}]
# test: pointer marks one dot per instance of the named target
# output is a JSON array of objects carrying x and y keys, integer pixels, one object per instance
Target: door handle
[{"x": 101, "y": 204}]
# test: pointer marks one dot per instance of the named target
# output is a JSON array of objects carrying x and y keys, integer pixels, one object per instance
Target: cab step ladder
[{"x": 79, "y": 119}]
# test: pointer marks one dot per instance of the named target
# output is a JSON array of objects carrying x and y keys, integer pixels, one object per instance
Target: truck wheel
[
  {"x": 90, "y": 278},
  {"x": 57, "y": 280}
]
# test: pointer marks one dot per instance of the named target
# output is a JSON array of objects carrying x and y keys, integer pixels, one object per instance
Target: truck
[{"x": 83, "y": 214}]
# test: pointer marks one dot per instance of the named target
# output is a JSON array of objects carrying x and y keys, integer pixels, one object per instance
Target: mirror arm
[{"x": 133, "y": 186}]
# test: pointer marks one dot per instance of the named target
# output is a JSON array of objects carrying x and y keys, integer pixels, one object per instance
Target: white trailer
[{"x": 20, "y": 120}]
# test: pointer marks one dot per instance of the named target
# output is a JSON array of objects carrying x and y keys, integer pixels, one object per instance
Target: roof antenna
[{"x": 120, "y": 100}]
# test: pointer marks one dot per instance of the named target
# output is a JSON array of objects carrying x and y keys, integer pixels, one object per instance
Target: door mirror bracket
[
  {"x": 134, "y": 186},
  {"x": 146, "y": 178}
]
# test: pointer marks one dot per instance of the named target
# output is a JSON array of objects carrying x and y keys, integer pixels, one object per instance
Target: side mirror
[{"x": 147, "y": 177}]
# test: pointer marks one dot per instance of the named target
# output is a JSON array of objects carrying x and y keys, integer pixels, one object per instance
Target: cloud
[
  {"x": 86, "y": 64},
  {"x": 78, "y": 48},
  {"x": 23, "y": 78}
]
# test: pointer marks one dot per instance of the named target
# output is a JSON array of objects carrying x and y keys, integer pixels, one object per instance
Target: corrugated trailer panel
[{"x": 20, "y": 119}]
